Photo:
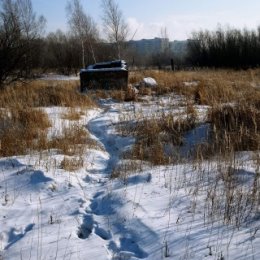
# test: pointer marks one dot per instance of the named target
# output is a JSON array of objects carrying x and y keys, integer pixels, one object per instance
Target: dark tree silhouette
[{"x": 20, "y": 31}]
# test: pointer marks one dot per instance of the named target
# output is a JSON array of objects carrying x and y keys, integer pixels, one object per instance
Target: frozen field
[{"x": 175, "y": 211}]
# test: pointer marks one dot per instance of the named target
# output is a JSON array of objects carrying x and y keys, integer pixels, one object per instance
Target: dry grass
[
  {"x": 22, "y": 130},
  {"x": 73, "y": 140},
  {"x": 207, "y": 87},
  {"x": 44, "y": 94},
  {"x": 73, "y": 114},
  {"x": 152, "y": 135},
  {"x": 23, "y": 126},
  {"x": 235, "y": 100},
  {"x": 116, "y": 94},
  {"x": 210, "y": 87},
  {"x": 71, "y": 164},
  {"x": 235, "y": 128}
]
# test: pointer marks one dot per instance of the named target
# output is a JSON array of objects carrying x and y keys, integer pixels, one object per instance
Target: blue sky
[{"x": 147, "y": 17}]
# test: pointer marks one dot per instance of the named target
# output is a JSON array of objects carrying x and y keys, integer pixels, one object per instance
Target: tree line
[
  {"x": 225, "y": 48},
  {"x": 24, "y": 48}
]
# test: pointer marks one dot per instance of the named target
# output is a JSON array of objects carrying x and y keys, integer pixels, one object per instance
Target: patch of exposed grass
[
  {"x": 44, "y": 94},
  {"x": 22, "y": 130},
  {"x": 73, "y": 140},
  {"x": 152, "y": 135},
  {"x": 235, "y": 128},
  {"x": 72, "y": 114},
  {"x": 23, "y": 126},
  {"x": 71, "y": 164},
  {"x": 207, "y": 87},
  {"x": 116, "y": 94}
]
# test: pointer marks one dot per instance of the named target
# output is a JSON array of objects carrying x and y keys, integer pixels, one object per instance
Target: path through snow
[
  {"x": 155, "y": 213},
  {"x": 103, "y": 215}
]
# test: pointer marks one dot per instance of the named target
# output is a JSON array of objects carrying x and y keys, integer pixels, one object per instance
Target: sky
[{"x": 146, "y": 18}]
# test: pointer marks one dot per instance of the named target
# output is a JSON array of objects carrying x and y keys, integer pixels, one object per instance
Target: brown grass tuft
[
  {"x": 72, "y": 141},
  {"x": 71, "y": 164},
  {"x": 236, "y": 127},
  {"x": 152, "y": 135},
  {"x": 21, "y": 130},
  {"x": 44, "y": 94},
  {"x": 73, "y": 114}
]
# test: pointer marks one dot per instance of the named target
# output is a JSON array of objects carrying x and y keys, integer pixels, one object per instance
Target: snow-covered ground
[
  {"x": 55, "y": 77},
  {"x": 153, "y": 213}
]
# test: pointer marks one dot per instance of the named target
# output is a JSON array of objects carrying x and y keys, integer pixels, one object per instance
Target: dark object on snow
[{"x": 105, "y": 75}]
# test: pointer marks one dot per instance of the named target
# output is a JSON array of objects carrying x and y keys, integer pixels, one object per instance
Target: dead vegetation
[
  {"x": 205, "y": 87},
  {"x": 234, "y": 116},
  {"x": 72, "y": 164},
  {"x": 233, "y": 98},
  {"x": 120, "y": 95},
  {"x": 153, "y": 135},
  {"x": 24, "y": 124},
  {"x": 73, "y": 114},
  {"x": 235, "y": 128},
  {"x": 41, "y": 93},
  {"x": 22, "y": 130},
  {"x": 73, "y": 140},
  {"x": 231, "y": 191}
]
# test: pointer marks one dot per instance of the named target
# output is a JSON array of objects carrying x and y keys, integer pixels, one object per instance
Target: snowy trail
[
  {"x": 152, "y": 213},
  {"x": 99, "y": 127},
  {"x": 103, "y": 216}
]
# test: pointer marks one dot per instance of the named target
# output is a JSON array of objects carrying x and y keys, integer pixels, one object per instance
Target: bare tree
[
  {"x": 165, "y": 39},
  {"x": 114, "y": 24},
  {"x": 31, "y": 26},
  {"x": 20, "y": 28},
  {"x": 83, "y": 26}
]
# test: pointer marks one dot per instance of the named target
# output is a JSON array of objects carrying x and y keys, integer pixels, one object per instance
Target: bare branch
[
  {"x": 83, "y": 27},
  {"x": 114, "y": 24}
]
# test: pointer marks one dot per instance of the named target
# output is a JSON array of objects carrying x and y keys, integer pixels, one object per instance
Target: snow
[
  {"x": 55, "y": 77},
  {"x": 107, "y": 66},
  {"x": 103, "y": 69},
  {"x": 149, "y": 82},
  {"x": 191, "y": 83},
  {"x": 154, "y": 212}
]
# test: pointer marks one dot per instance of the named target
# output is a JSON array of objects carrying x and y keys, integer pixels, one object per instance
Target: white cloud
[
  {"x": 179, "y": 27},
  {"x": 139, "y": 30}
]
